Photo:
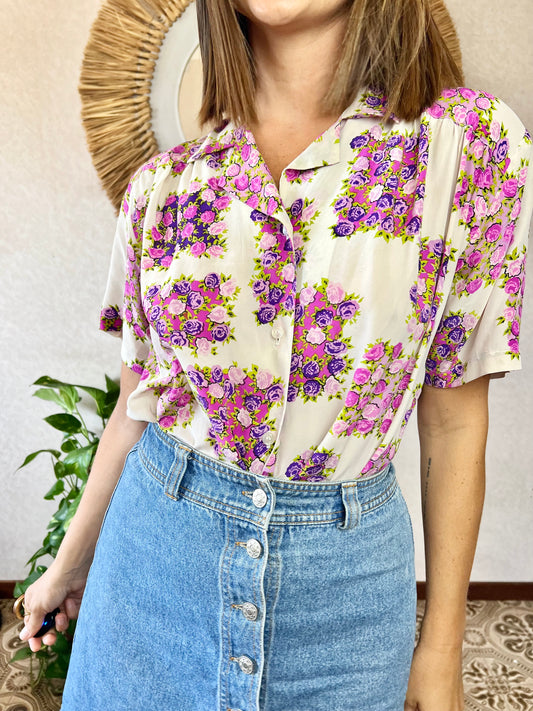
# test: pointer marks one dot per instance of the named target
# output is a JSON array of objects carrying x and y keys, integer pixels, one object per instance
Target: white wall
[{"x": 56, "y": 241}]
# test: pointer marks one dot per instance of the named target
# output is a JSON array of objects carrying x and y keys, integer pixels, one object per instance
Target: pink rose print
[
  {"x": 234, "y": 395},
  {"x": 377, "y": 391},
  {"x": 319, "y": 363},
  {"x": 313, "y": 465},
  {"x": 513, "y": 280},
  {"x": 274, "y": 278},
  {"x": 191, "y": 222},
  {"x": 386, "y": 186},
  {"x": 444, "y": 367},
  {"x": 190, "y": 313}
]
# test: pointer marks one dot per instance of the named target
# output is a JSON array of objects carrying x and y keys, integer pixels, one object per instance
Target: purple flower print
[
  {"x": 392, "y": 182},
  {"x": 452, "y": 322},
  {"x": 410, "y": 144},
  {"x": 319, "y": 457},
  {"x": 425, "y": 314},
  {"x": 161, "y": 329},
  {"x": 336, "y": 366},
  {"x": 457, "y": 335},
  {"x": 259, "y": 430},
  {"x": 289, "y": 303},
  {"x": 296, "y": 207},
  {"x": 335, "y": 347},
  {"x": 216, "y": 425},
  {"x": 347, "y": 310},
  {"x": 374, "y": 101},
  {"x": 220, "y": 332},
  {"x": 387, "y": 224},
  {"x": 385, "y": 201},
  {"x": 359, "y": 141},
  {"x": 342, "y": 203},
  {"x": 292, "y": 393},
  {"x": 268, "y": 259},
  {"x": 413, "y": 226},
  {"x": 195, "y": 300},
  {"x": 372, "y": 219},
  {"x": 193, "y": 326},
  {"x": 182, "y": 287},
  {"x": 216, "y": 374},
  {"x": 383, "y": 168},
  {"x": 393, "y": 142},
  {"x": 355, "y": 214},
  {"x": 400, "y": 207},
  {"x": 408, "y": 172},
  {"x": 443, "y": 350},
  {"x": 311, "y": 369},
  {"x": 296, "y": 361},
  {"x": 298, "y": 312},
  {"x": 212, "y": 281},
  {"x": 252, "y": 403},
  {"x": 259, "y": 449},
  {"x": 197, "y": 378},
  {"x": 257, "y": 216},
  {"x": 378, "y": 156},
  {"x": 229, "y": 389},
  {"x": 259, "y": 286},
  {"x": 413, "y": 293},
  {"x": 177, "y": 339},
  {"x": 358, "y": 179},
  {"x": 152, "y": 291},
  {"x": 501, "y": 151},
  {"x": 293, "y": 470},
  {"x": 343, "y": 229},
  {"x": 275, "y": 295},
  {"x": 266, "y": 314},
  {"x": 324, "y": 317},
  {"x": 274, "y": 393},
  {"x": 312, "y": 388}
]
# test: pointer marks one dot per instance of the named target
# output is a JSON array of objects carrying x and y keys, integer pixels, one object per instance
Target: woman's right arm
[{"x": 63, "y": 583}]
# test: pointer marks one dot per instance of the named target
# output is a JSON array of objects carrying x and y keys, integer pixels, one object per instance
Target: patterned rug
[{"x": 497, "y": 660}]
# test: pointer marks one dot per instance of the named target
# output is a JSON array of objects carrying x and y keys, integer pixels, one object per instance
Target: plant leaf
[
  {"x": 69, "y": 444},
  {"x": 111, "y": 385},
  {"x": 81, "y": 456},
  {"x": 32, "y": 456},
  {"x": 48, "y": 382},
  {"x": 56, "y": 489},
  {"x": 64, "y": 423},
  {"x": 70, "y": 396},
  {"x": 22, "y": 653},
  {"x": 50, "y": 394}
]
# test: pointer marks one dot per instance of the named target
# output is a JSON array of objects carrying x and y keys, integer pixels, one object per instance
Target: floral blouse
[{"x": 289, "y": 331}]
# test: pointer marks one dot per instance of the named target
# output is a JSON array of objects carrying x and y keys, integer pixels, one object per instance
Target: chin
[{"x": 277, "y": 13}]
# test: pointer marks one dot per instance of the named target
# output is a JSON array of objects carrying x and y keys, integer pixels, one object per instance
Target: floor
[{"x": 498, "y": 660}]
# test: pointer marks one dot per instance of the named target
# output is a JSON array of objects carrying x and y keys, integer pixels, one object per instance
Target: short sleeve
[
  {"x": 122, "y": 312},
  {"x": 478, "y": 333}
]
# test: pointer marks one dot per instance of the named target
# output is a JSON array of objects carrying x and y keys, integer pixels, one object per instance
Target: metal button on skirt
[{"x": 213, "y": 589}]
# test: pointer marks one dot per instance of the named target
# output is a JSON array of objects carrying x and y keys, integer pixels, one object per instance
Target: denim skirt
[{"x": 213, "y": 589}]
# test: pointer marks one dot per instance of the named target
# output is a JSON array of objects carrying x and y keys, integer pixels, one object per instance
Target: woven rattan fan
[{"x": 117, "y": 76}]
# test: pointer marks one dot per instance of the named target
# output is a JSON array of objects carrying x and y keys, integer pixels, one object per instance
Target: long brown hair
[{"x": 406, "y": 48}]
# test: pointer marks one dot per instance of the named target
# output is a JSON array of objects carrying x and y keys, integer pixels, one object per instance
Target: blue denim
[{"x": 326, "y": 572}]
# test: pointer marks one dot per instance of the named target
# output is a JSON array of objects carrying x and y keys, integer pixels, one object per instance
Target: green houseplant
[{"x": 71, "y": 464}]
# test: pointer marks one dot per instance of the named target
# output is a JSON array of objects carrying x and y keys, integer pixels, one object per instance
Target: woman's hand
[
  {"x": 436, "y": 679},
  {"x": 53, "y": 589}
]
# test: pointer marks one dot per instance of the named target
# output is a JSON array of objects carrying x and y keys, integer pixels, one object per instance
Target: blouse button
[
  {"x": 269, "y": 438},
  {"x": 277, "y": 333}
]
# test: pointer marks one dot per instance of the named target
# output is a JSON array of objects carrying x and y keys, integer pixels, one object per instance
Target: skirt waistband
[{"x": 263, "y": 501}]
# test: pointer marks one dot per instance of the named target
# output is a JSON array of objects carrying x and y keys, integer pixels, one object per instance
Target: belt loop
[
  {"x": 177, "y": 470},
  {"x": 352, "y": 507}
]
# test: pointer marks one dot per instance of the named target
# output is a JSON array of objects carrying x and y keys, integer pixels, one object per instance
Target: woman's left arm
[{"x": 452, "y": 424}]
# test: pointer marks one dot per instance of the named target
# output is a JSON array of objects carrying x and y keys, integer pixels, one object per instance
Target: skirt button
[
  {"x": 259, "y": 498},
  {"x": 254, "y": 548}
]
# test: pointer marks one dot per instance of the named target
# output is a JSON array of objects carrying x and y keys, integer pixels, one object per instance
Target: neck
[{"x": 295, "y": 69}]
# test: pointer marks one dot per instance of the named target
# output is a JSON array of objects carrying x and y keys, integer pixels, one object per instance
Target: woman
[{"x": 295, "y": 282}]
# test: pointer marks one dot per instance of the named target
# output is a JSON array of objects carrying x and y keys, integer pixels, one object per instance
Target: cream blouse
[{"x": 289, "y": 332}]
